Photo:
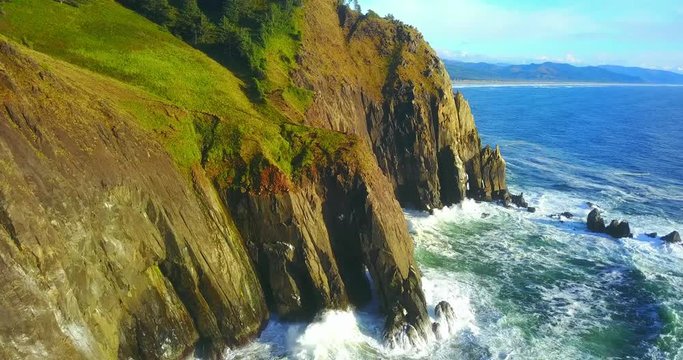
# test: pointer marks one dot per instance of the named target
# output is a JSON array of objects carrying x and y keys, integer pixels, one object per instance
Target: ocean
[{"x": 527, "y": 285}]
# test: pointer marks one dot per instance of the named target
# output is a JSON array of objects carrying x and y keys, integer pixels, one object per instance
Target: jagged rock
[
  {"x": 673, "y": 237},
  {"x": 595, "y": 221},
  {"x": 493, "y": 174},
  {"x": 422, "y": 134},
  {"x": 651, "y": 235},
  {"x": 531, "y": 209},
  {"x": 619, "y": 229},
  {"x": 519, "y": 201},
  {"x": 339, "y": 223},
  {"x": 446, "y": 316}
]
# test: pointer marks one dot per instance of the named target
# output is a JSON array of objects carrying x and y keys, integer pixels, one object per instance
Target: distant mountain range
[{"x": 558, "y": 72}]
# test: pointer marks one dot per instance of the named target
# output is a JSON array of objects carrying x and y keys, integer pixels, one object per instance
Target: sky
[{"x": 645, "y": 33}]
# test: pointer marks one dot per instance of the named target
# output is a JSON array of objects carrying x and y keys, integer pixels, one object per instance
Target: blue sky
[{"x": 647, "y": 33}]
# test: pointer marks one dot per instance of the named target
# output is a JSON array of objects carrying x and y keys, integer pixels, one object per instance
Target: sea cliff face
[
  {"x": 117, "y": 243},
  {"x": 380, "y": 80}
]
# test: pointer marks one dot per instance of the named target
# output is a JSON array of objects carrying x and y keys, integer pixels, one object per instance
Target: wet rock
[
  {"x": 446, "y": 316},
  {"x": 493, "y": 174},
  {"x": 561, "y": 216},
  {"x": 651, "y": 235},
  {"x": 595, "y": 221},
  {"x": 619, "y": 229},
  {"x": 437, "y": 330},
  {"x": 485, "y": 215},
  {"x": 531, "y": 209},
  {"x": 519, "y": 201},
  {"x": 674, "y": 237},
  {"x": 414, "y": 337}
]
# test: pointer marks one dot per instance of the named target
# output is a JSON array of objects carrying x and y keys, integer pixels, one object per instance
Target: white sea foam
[{"x": 482, "y": 328}]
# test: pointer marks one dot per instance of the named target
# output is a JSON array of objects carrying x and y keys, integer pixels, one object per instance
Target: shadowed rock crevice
[{"x": 322, "y": 234}]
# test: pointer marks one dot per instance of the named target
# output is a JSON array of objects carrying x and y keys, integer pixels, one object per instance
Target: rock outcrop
[
  {"x": 595, "y": 221},
  {"x": 314, "y": 245},
  {"x": 673, "y": 237},
  {"x": 619, "y": 229},
  {"x": 380, "y": 80},
  {"x": 106, "y": 249},
  {"x": 616, "y": 228}
]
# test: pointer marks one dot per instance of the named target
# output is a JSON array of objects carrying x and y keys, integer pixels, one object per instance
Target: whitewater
[{"x": 538, "y": 285}]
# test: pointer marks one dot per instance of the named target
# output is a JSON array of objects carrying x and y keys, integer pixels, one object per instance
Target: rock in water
[
  {"x": 445, "y": 316},
  {"x": 519, "y": 201},
  {"x": 619, "y": 229},
  {"x": 531, "y": 209},
  {"x": 567, "y": 214},
  {"x": 652, "y": 235},
  {"x": 437, "y": 329},
  {"x": 595, "y": 221},
  {"x": 674, "y": 237}
]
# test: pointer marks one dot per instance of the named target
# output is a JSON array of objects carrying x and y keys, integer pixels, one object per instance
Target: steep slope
[
  {"x": 129, "y": 157},
  {"x": 107, "y": 249},
  {"x": 380, "y": 80}
]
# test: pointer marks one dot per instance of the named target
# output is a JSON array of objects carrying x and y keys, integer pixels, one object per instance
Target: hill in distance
[{"x": 558, "y": 72}]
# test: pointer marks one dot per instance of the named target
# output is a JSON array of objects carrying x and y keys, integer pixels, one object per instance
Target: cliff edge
[
  {"x": 155, "y": 200},
  {"x": 380, "y": 80}
]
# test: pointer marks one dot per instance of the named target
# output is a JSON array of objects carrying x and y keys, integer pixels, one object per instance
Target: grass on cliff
[{"x": 172, "y": 90}]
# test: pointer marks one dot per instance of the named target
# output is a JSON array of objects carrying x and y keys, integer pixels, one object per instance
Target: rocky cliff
[
  {"x": 380, "y": 80},
  {"x": 106, "y": 249},
  {"x": 142, "y": 216}
]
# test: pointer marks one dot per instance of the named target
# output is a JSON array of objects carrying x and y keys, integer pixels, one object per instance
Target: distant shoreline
[{"x": 487, "y": 83}]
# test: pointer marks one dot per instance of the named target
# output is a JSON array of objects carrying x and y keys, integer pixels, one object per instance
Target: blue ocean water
[
  {"x": 541, "y": 287},
  {"x": 527, "y": 285}
]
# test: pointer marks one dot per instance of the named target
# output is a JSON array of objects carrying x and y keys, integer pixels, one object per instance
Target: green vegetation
[
  {"x": 256, "y": 39},
  {"x": 194, "y": 106}
]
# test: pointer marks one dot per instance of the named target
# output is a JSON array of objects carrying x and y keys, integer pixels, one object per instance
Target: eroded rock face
[
  {"x": 106, "y": 250},
  {"x": 335, "y": 227},
  {"x": 386, "y": 85}
]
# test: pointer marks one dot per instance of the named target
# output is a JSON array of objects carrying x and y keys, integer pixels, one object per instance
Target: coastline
[{"x": 485, "y": 83}]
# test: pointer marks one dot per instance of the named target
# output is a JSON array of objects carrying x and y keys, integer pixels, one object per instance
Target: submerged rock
[
  {"x": 595, "y": 221},
  {"x": 652, "y": 235},
  {"x": 566, "y": 215},
  {"x": 619, "y": 229},
  {"x": 673, "y": 237}
]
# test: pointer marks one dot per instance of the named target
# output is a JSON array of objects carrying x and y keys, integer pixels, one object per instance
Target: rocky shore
[{"x": 109, "y": 249}]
